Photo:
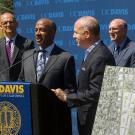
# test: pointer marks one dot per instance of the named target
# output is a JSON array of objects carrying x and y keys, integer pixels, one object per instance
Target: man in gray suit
[
  {"x": 55, "y": 70},
  {"x": 97, "y": 56},
  {"x": 11, "y": 54},
  {"x": 122, "y": 47}
]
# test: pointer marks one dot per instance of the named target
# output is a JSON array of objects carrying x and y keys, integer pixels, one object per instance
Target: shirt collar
[
  {"x": 93, "y": 46},
  {"x": 48, "y": 49},
  {"x": 121, "y": 45},
  {"x": 13, "y": 38}
]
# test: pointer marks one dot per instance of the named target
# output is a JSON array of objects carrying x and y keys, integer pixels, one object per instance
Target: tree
[{"x": 6, "y": 5}]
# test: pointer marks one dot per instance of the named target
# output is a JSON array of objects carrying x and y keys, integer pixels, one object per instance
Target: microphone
[{"x": 6, "y": 69}]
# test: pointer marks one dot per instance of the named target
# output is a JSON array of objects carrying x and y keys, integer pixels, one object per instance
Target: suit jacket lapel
[
  {"x": 3, "y": 50},
  {"x": 51, "y": 61},
  {"x": 123, "y": 51},
  {"x": 93, "y": 51},
  {"x": 121, "y": 55},
  {"x": 16, "y": 48},
  {"x": 112, "y": 48},
  {"x": 88, "y": 59},
  {"x": 34, "y": 63}
]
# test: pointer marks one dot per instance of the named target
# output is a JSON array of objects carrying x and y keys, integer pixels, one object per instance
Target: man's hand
[{"x": 60, "y": 94}]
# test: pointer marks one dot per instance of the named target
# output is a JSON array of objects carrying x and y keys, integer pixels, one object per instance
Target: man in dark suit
[
  {"x": 56, "y": 71},
  {"x": 122, "y": 47},
  {"x": 97, "y": 56},
  {"x": 10, "y": 59}
]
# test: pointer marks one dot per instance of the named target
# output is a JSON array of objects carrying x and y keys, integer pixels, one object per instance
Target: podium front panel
[{"x": 15, "y": 109}]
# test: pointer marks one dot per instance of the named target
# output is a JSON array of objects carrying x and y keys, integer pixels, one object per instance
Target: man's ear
[{"x": 87, "y": 34}]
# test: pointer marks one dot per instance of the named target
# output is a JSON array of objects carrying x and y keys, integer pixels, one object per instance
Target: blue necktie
[{"x": 40, "y": 64}]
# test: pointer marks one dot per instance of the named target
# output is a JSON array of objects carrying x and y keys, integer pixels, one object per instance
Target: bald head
[
  {"x": 89, "y": 23},
  {"x": 119, "y": 22},
  {"x": 7, "y": 14},
  {"x": 118, "y": 30},
  {"x": 86, "y": 31}
]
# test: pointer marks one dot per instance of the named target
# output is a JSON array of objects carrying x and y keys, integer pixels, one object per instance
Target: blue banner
[{"x": 15, "y": 109}]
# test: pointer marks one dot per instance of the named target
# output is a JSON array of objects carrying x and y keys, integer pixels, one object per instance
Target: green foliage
[{"x": 6, "y": 6}]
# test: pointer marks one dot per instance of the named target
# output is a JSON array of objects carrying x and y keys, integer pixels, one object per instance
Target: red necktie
[{"x": 8, "y": 50}]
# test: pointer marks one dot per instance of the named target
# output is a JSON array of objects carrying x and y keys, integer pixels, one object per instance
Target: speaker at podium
[{"x": 26, "y": 109}]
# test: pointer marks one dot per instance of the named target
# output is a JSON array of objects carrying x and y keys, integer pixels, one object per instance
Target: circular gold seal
[{"x": 10, "y": 119}]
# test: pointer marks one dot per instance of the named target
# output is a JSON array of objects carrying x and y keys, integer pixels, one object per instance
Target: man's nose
[
  {"x": 74, "y": 35},
  {"x": 8, "y": 23}
]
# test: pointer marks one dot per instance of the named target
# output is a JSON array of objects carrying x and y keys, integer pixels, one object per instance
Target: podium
[{"x": 24, "y": 109}]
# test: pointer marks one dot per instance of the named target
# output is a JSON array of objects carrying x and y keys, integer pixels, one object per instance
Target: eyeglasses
[{"x": 7, "y": 22}]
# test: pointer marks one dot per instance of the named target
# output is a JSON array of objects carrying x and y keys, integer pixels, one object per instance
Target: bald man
[
  {"x": 97, "y": 56},
  {"x": 122, "y": 47}
]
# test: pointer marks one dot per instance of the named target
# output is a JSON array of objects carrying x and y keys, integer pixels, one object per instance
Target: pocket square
[{"x": 83, "y": 68}]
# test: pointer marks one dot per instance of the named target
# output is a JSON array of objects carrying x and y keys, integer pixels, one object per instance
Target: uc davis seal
[{"x": 10, "y": 119}]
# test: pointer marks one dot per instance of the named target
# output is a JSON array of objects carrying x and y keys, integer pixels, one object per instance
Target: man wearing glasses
[
  {"x": 122, "y": 48},
  {"x": 12, "y": 46}
]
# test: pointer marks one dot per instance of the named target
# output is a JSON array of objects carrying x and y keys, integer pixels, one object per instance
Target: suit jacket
[
  {"x": 11, "y": 72},
  {"x": 126, "y": 57},
  {"x": 59, "y": 72},
  {"x": 89, "y": 86}
]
